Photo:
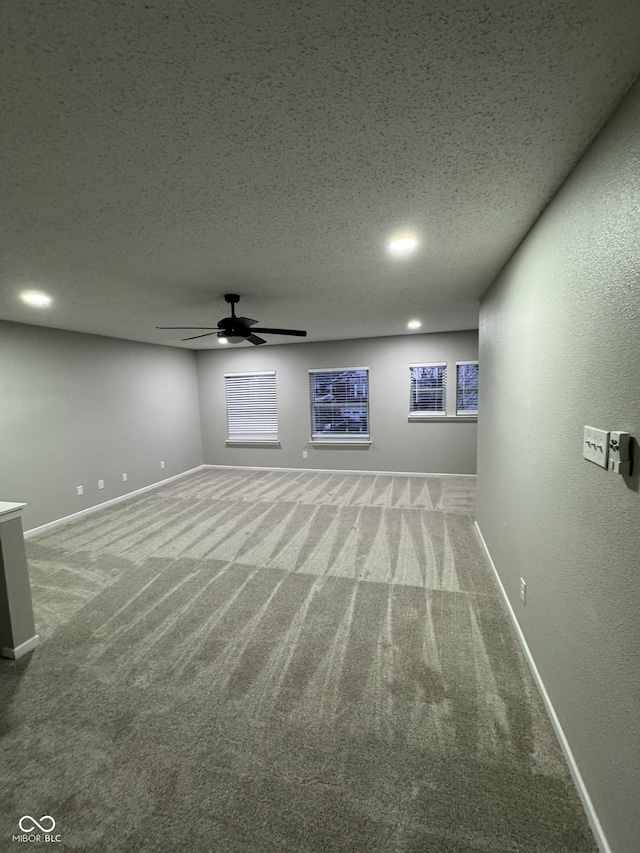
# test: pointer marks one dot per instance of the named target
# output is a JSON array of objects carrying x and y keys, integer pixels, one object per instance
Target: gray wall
[
  {"x": 75, "y": 408},
  {"x": 560, "y": 349},
  {"x": 396, "y": 444}
]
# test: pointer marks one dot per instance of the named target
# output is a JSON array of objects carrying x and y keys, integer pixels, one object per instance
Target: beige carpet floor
[{"x": 263, "y": 661}]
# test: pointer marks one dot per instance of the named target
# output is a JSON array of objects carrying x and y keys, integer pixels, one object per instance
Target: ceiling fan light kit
[{"x": 235, "y": 330}]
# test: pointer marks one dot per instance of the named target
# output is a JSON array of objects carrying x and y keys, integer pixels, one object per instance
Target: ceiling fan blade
[
  {"x": 297, "y": 332},
  {"x": 256, "y": 340},
  {"x": 247, "y": 321},
  {"x": 193, "y": 337},
  {"x": 186, "y": 327}
]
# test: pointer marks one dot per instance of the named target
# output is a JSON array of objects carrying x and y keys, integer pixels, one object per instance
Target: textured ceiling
[{"x": 157, "y": 155}]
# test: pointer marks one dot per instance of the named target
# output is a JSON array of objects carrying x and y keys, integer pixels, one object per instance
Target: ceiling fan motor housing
[{"x": 232, "y": 327}]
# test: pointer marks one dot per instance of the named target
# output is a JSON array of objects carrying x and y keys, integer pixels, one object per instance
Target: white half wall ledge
[
  {"x": 96, "y": 507},
  {"x": 337, "y": 471},
  {"x": 22, "y": 649},
  {"x": 594, "y": 822},
  {"x": 10, "y": 509}
]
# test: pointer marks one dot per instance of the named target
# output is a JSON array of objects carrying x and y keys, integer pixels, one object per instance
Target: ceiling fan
[{"x": 234, "y": 329}]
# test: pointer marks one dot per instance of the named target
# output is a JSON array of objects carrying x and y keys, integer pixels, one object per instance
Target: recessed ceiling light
[
  {"x": 403, "y": 245},
  {"x": 36, "y": 298},
  {"x": 414, "y": 324}
]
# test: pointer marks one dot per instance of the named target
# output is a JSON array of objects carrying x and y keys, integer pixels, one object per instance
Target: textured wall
[
  {"x": 75, "y": 408},
  {"x": 396, "y": 444},
  {"x": 560, "y": 349}
]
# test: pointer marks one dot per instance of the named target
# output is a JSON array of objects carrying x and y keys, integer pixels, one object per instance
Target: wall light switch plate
[
  {"x": 101, "y": 484},
  {"x": 162, "y": 464},
  {"x": 80, "y": 490},
  {"x": 595, "y": 446},
  {"x": 125, "y": 477},
  {"x": 523, "y": 591}
]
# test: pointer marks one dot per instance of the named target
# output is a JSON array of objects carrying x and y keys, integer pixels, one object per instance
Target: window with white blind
[
  {"x": 428, "y": 389},
  {"x": 339, "y": 404},
  {"x": 467, "y": 388},
  {"x": 252, "y": 411}
]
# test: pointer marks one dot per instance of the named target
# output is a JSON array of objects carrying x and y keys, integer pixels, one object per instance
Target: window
[
  {"x": 339, "y": 404},
  {"x": 467, "y": 388},
  {"x": 252, "y": 412},
  {"x": 428, "y": 389}
]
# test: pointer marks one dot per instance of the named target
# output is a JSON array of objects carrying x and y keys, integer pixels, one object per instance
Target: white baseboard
[
  {"x": 34, "y": 531},
  {"x": 22, "y": 649},
  {"x": 337, "y": 471},
  {"x": 596, "y": 827},
  {"x": 67, "y": 518}
]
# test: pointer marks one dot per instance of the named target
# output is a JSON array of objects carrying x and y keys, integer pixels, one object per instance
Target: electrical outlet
[
  {"x": 305, "y": 454},
  {"x": 125, "y": 477},
  {"x": 162, "y": 464},
  {"x": 101, "y": 484},
  {"x": 523, "y": 591},
  {"x": 80, "y": 490}
]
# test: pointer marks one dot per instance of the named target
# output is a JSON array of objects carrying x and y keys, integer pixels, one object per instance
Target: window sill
[
  {"x": 339, "y": 442},
  {"x": 444, "y": 419},
  {"x": 251, "y": 443}
]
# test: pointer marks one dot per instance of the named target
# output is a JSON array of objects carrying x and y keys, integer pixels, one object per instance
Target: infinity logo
[{"x": 34, "y": 823}]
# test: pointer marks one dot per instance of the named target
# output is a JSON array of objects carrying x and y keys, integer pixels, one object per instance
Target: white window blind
[
  {"x": 428, "y": 389},
  {"x": 252, "y": 412},
  {"x": 467, "y": 388},
  {"x": 339, "y": 404}
]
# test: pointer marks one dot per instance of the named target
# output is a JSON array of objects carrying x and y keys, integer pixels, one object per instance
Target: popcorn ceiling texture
[{"x": 158, "y": 155}]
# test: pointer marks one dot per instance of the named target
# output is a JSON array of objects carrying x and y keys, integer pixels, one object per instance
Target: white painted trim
[
  {"x": 334, "y": 369},
  {"x": 338, "y": 442},
  {"x": 67, "y": 518},
  {"x": 444, "y": 419},
  {"x": 250, "y": 442},
  {"x": 596, "y": 827},
  {"x": 22, "y": 649},
  {"x": 337, "y": 471},
  {"x": 250, "y": 373}
]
